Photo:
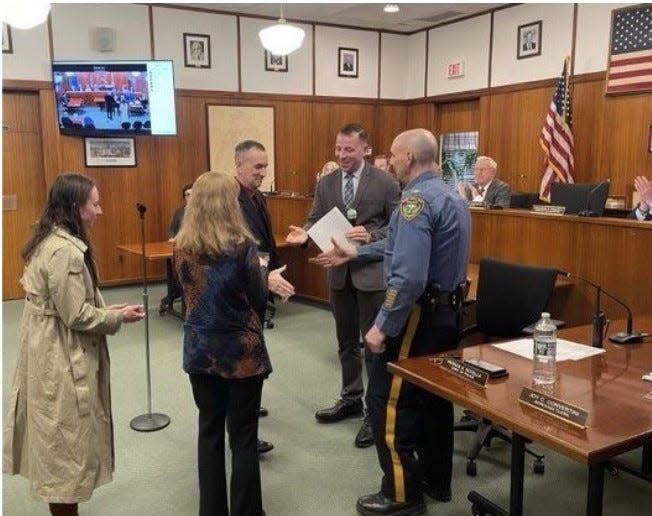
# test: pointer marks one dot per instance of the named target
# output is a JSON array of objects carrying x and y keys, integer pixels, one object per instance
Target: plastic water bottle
[{"x": 545, "y": 351}]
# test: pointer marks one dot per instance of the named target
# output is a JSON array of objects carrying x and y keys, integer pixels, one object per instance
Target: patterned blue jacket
[{"x": 225, "y": 300}]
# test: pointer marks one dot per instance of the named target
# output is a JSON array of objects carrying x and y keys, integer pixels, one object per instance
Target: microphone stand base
[
  {"x": 149, "y": 422},
  {"x": 626, "y": 338}
]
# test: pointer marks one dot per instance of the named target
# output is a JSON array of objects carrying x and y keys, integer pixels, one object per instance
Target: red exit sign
[{"x": 455, "y": 69}]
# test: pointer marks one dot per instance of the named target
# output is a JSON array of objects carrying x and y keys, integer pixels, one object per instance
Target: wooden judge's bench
[{"x": 614, "y": 253}]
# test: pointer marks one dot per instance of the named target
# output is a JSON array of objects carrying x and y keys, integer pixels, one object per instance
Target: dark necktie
[
  {"x": 481, "y": 190},
  {"x": 348, "y": 189}
]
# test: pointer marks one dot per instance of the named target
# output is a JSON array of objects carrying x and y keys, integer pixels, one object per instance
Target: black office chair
[{"x": 510, "y": 296}]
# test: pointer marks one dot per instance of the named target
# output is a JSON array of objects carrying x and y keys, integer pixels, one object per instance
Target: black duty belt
[{"x": 434, "y": 298}]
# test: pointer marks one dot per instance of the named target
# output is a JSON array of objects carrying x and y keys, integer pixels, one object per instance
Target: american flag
[
  {"x": 630, "y": 60},
  {"x": 557, "y": 138}
]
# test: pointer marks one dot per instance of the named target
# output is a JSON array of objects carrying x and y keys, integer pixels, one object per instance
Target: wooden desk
[
  {"x": 155, "y": 251},
  {"x": 609, "y": 252},
  {"x": 608, "y": 386}
]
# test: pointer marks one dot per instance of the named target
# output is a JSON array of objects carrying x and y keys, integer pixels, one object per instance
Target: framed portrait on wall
[
  {"x": 197, "y": 50},
  {"x": 7, "y": 47},
  {"x": 347, "y": 62},
  {"x": 528, "y": 40},
  {"x": 275, "y": 63},
  {"x": 110, "y": 152}
]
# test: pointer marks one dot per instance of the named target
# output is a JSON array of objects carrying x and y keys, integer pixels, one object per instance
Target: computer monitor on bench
[{"x": 586, "y": 199}]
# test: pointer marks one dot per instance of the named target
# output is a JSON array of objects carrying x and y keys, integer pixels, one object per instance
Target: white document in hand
[{"x": 331, "y": 225}]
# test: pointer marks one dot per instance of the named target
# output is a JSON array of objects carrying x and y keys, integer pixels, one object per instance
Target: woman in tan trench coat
[{"x": 58, "y": 432}]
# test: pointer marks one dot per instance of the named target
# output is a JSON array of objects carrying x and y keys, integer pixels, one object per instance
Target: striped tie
[{"x": 348, "y": 189}]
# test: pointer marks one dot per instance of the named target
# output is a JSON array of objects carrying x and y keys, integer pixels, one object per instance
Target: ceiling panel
[{"x": 411, "y": 17}]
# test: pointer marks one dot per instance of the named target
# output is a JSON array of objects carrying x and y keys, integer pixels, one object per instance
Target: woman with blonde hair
[{"x": 224, "y": 353}]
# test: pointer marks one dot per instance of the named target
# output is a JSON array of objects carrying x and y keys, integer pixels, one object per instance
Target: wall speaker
[{"x": 103, "y": 39}]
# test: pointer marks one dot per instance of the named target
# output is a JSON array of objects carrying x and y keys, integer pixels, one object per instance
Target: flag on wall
[
  {"x": 557, "y": 137},
  {"x": 630, "y": 50}
]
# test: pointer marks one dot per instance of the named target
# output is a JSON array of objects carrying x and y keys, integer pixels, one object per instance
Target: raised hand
[
  {"x": 339, "y": 255},
  {"x": 132, "y": 313},
  {"x": 279, "y": 285},
  {"x": 644, "y": 187},
  {"x": 296, "y": 236},
  {"x": 359, "y": 234}
]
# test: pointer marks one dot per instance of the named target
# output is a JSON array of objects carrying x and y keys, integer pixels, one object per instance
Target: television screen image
[
  {"x": 114, "y": 98},
  {"x": 587, "y": 199}
]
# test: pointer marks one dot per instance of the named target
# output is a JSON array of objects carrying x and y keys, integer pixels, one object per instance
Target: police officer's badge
[{"x": 411, "y": 206}]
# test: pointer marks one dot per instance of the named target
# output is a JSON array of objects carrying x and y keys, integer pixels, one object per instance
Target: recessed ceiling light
[{"x": 391, "y": 8}]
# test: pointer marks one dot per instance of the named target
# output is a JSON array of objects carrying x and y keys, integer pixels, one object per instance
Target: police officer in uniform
[{"x": 425, "y": 258}]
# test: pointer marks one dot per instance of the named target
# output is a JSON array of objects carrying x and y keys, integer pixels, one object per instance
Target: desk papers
[
  {"x": 331, "y": 225},
  {"x": 566, "y": 350}
]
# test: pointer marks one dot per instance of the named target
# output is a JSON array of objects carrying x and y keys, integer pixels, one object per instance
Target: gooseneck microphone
[{"x": 626, "y": 337}]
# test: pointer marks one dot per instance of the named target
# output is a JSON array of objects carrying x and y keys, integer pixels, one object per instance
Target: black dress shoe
[
  {"x": 262, "y": 412},
  {"x": 341, "y": 410},
  {"x": 375, "y": 504},
  {"x": 436, "y": 493},
  {"x": 365, "y": 437},
  {"x": 264, "y": 446}
]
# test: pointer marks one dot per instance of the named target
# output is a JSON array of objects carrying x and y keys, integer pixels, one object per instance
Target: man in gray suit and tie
[
  {"x": 486, "y": 187},
  {"x": 367, "y": 197}
]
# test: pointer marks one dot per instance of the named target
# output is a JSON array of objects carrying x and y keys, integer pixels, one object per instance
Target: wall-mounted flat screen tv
[{"x": 114, "y": 98}]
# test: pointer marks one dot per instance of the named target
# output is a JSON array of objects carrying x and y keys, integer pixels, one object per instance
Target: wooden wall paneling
[
  {"x": 346, "y": 113},
  {"x": 22, "y": 177},
  {"x": 516, "y": 119},
  {"x": 295, "y": 169},
  {"x": 484, "y": 109},
  {"x": 588, "y": 130},
  {"x": 323, "y": 138},
  {"x": 390, "y": 121},
  {"x": 50, "y": 137},
  {"x": 457, "y": 117},
  {"x": 624, "y": 153},
  {"x": 285, "y": 211},
  {"x": 422, "y": 116},
  {"x": 120, "y": 189}
]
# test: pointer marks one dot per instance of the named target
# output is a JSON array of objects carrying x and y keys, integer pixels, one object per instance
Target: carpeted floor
[{"x": 314, "y": 469}]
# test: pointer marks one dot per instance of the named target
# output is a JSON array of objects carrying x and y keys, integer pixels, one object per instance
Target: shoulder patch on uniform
[
  {"x": 390, "y": 298},
  {"x": 411, "y": 206}
]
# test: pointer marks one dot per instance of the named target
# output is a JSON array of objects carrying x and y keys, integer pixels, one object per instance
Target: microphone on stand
[
  {"x": 141, "y": 209},
  {"x": 626, "y": 337}
]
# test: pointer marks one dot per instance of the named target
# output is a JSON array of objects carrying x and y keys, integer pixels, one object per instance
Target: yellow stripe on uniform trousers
[{"x": 394, "y": 391}]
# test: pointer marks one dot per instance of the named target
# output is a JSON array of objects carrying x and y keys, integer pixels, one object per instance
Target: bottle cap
[{"x": 545, "y": 315}]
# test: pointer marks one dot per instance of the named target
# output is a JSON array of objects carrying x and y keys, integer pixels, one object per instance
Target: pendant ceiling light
[
  {"x": 281, "y": 39},
  {"x": 25, "y": 15}
]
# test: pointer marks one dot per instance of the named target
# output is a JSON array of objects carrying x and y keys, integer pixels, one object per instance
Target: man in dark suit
[
  {"x": 367, "y": 197},
  {"x": 486, "y": 187},
  {"x": 250, "y": 169},
  {"x": 644, "y": 188}
]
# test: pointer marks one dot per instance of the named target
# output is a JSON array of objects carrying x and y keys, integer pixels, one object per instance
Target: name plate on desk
[
  {"x": 464, "y": 371},
  {"x": 557, "y": 408}
]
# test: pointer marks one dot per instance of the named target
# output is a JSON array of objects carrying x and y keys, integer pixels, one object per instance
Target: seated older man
[{"x": 486, "y": 187}]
